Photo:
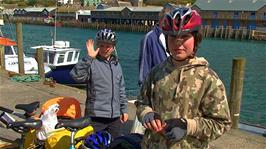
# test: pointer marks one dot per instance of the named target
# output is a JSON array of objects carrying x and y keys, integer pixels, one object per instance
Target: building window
[
  {"x": 215, "y": 14},
  {"x": 264, "y": 16},
  {"x": 236, "y": 14},
  {"x": 252, "y": 14}
]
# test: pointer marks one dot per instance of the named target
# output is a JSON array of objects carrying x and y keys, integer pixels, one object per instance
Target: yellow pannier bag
[{"x": 58, "y": 139}]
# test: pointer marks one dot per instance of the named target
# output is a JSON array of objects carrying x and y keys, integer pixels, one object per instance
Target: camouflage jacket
[{"x": 190, "y": 90}]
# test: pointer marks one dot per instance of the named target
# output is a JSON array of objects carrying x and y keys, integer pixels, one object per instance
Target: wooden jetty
[
  {"x": 229, "y": 33},
  {"x": 14, "y": 92}
]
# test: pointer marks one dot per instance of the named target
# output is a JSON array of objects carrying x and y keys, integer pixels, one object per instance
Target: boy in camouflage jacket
[{"x": 182, "y": 103}]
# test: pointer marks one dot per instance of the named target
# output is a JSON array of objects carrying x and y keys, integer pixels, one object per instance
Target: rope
[{"x": 26, "y": 78}]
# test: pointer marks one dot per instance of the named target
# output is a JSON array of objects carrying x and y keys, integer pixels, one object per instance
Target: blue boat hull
[{"x": 61, "y": 75}]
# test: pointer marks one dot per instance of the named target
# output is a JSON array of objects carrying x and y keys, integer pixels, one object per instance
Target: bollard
[
  {"x": 2, "y": 57},
  {"x": 39, "y": 59},
  {"x": 236, "y": 88},
  {"x": 20, "y": 48}
]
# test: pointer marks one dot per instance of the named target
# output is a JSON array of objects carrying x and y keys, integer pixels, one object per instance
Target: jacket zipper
[{"x": 112, "y": 90}]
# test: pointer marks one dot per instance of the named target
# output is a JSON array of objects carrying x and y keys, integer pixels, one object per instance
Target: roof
[
  {"x": 135, "y": 9},
  {"x": 230, "y": 5},
  {"x": 110, "y": 9},
  {"x": 37, "y": 9}
]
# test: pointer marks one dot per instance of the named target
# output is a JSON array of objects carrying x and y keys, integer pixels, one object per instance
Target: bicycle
[
  {"x": 29, "y": 126},
  {"x": 24, "y": 126},
  {"x": 74, "y": 126}
]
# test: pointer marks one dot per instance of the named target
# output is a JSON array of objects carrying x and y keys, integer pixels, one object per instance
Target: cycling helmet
[
  {"x": 98, "y": 140},
  {"x": 106, "y": 35},
  {"x": 180, "y": 21}
]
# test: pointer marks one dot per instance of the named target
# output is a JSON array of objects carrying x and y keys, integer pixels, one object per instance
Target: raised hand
[{"x": 90, "y": 48}]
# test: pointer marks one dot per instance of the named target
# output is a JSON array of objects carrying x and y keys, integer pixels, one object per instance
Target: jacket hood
[
  {"x": 196, "y": 61},
  {"x": 187, "y": 64},
  {"x": 190, "y": 63}
]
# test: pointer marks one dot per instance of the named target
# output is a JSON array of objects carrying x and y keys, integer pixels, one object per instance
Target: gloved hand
[
  {"x": 152, "y": 120},
  {"x": 176, "y": 129}
]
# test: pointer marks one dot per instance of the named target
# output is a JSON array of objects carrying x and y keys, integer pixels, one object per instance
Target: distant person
[
  {"x": 152, "y": 48},
  {"x": 106, "y": 102},
  {"x": 182, "y": 103}
]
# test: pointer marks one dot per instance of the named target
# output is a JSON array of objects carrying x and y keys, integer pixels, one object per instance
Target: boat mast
[
  {"x": 1, "y": 20},
  {"x": 54, "y": 38}
]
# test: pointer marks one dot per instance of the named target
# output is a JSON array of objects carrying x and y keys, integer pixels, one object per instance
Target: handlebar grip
[{"x": 6, "y": 110}]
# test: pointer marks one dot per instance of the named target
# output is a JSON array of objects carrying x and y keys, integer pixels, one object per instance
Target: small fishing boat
[{"x": 61, "y": 58}]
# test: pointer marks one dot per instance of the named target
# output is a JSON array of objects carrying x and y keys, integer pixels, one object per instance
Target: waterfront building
[
  {"x": 34, "y": 13},
  {"x": 249, "y": 14},
  {"x": 127, "y": 15}
]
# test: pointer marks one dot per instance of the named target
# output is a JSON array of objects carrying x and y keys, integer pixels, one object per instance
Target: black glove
[
  {"x": 149, "y": 117},
  {"x": 176, "y": 129}
]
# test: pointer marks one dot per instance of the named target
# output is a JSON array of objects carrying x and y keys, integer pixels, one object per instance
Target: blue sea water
[{"x": 219, "y": 53}]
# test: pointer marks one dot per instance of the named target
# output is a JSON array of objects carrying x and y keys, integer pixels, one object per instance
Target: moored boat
[{"x": 61, "y": 58}]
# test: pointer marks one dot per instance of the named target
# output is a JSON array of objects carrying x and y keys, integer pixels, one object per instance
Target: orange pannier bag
[{"x": 69, "y": 107}]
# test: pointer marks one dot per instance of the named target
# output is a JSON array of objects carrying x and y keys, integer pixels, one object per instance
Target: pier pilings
[
  {"x": 20, "y": 48},
  {"x": 229, "y": 33},
  {"x": 217, "y": 32},
  {"x": 236, "y": 89},
  {"x": 2, "y": 57},
  {"x": 39, "y": 58}
]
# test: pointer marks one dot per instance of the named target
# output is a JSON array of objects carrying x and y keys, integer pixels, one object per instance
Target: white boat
[{"x": 61, "y": 58}]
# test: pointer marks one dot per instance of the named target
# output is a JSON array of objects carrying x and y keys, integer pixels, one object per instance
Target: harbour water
[{"x": 219, "y": 53}]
